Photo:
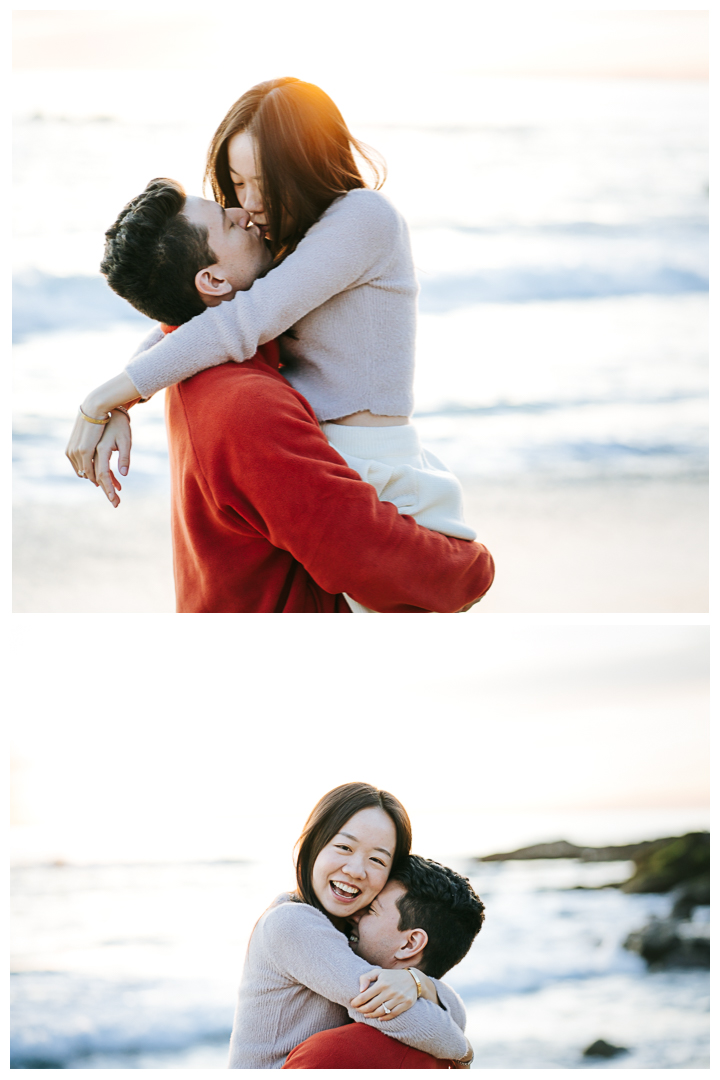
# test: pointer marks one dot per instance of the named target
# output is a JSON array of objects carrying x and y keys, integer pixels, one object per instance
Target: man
[
  {"x": 426, "y": 917},
  {"x": 266, "y": 516}
]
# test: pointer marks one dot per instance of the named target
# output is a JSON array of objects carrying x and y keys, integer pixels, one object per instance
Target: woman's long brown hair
[
  {"x": 306, "y": 156},
  {"x": 327, "y": 819}
]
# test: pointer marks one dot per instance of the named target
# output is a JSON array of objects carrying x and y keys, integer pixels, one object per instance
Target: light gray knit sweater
[
  {"x": 349, "y": 293},
  {"x": 299, "y": 977}
]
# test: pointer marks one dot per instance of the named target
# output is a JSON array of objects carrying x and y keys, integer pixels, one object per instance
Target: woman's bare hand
[
  {"x": 85, "y": 435},
  {"x": 80, "y": 450},
  {"x": 394, "y": 988},
  {"x": 117, "y": 436}
]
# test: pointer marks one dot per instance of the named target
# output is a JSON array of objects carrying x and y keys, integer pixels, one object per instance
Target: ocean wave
[
  {"x": 504, "y": 408},
  {"x": 43, "y": 303},
  {"x": 520, "y": 285},
  {"x": 684, "y": 228},
  {"x": 60, "y": 1017}
]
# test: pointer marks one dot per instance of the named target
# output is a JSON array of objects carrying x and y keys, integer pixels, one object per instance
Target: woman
[
  {"x": 300, "y": 975},
  {"x": 342, "y": 293}
]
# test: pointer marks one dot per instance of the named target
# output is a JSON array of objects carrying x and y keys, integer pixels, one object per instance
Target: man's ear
[
  {"x": 413, "y": 945},
  {"x": 211, "y": 284}
]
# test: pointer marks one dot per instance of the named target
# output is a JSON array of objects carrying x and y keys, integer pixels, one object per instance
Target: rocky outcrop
[
  {"x": 681, "y": 865},
  {"x": 678, "y": 864},
  {"x": 692, "y": 894},
  {"x": 672, "y": 943},
  {"x": 679, "y": 861},
  {"x": 563, "y": 849},
  {"x": 603, "y": 1049},
  {"x": 660, "y": 865}
]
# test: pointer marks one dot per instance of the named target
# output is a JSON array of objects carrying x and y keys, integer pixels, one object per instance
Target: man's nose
[{"x": 240, "y": 216}]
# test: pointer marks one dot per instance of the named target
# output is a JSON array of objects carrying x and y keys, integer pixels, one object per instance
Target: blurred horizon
[
  {"x": 526, "y": 42},
  {"x": 585, "y": 746}
]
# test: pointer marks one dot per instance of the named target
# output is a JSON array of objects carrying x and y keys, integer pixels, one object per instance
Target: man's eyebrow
[{"x": 351, "y": 837}]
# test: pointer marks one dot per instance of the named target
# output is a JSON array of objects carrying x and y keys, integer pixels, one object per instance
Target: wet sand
[
  {"x": 612, "y": 546},
  {"x": 607, "y": 546}
]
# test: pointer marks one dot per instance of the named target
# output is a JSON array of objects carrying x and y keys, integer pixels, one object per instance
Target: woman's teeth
[{"x": 347, "y": 892}]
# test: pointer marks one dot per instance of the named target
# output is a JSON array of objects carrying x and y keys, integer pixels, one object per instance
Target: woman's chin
[{"x": 340, "y": 908}]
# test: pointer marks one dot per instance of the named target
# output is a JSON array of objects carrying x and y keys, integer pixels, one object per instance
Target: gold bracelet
[
  {"x": 91, "y": 419},
  {"x": 417, "y": 982}
]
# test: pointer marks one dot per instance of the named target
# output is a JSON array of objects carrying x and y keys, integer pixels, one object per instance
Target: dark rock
[
  {"x": 563, "y": 849},
  {"x": 559, "y": 849},
  {"x": 603, "y": 1049},
  {"x": 672, "y": 943},
  {"x": 674, "y": 862},
  {"x": 692, "y": 894},
  {"x": 682, "y": 860},
  {"x": 37, "y": 1063}
]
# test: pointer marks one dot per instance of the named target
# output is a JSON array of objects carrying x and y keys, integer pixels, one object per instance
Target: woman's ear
[
  {"x": 211, "y": 284},
  {"x": 413, "y": 945}
]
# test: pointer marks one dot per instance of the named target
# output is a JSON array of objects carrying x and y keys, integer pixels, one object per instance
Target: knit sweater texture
[
  {"x": 300, "y": 976},
  {"x": 349, "y": 294}
]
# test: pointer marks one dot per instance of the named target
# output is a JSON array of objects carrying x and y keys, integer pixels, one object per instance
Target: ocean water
[
  {"x": 559, "y": 229},
  {"x": 136, "y": 966}
]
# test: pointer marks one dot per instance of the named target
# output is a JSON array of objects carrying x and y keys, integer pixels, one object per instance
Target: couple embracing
[
  {"x": 345, "y": 971},
  {"x": 287, "y": 311}
]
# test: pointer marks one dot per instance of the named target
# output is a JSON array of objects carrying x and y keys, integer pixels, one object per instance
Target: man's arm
[{"x": 271, "y": 464}]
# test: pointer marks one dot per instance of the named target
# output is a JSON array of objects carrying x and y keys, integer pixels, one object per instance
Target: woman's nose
[
  {"x": 252, "y": 201},
  {"x": 354, "y": 868}
]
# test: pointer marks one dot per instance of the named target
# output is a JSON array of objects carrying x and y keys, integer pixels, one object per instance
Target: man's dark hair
[
  {"x": 152, "y": 254},
  {"x": 444, "y": 905}
]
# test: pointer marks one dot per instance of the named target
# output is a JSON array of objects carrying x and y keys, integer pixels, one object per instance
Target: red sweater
[
  {"x": 358, "y": 1046},
  {"x": 267, "y": 517}
]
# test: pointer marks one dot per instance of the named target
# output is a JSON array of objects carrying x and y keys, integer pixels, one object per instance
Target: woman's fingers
[
  {"x": 80, "y": 449},
  {"x": 107, "y": 480},
  {"x": 102, "y": 467},
  {"x": 376, "y": 1010},
  {"x": 124, "y": 442},
  {"x": 376, "y": 1002},
  {"x": 369, "y": 994},
  {"x": 391, "y": 988},
  {"x": 115, "y": 437},
  {"x": 367, "y": 979}
]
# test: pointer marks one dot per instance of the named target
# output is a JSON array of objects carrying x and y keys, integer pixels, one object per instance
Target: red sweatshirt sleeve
[{"x": 266, "y": 460}]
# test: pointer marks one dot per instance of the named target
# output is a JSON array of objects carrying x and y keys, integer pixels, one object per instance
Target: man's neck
[{"x": 414, "y": 962}]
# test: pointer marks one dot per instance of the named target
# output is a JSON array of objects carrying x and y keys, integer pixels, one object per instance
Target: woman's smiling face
[{"x": 351, "y": 870}]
